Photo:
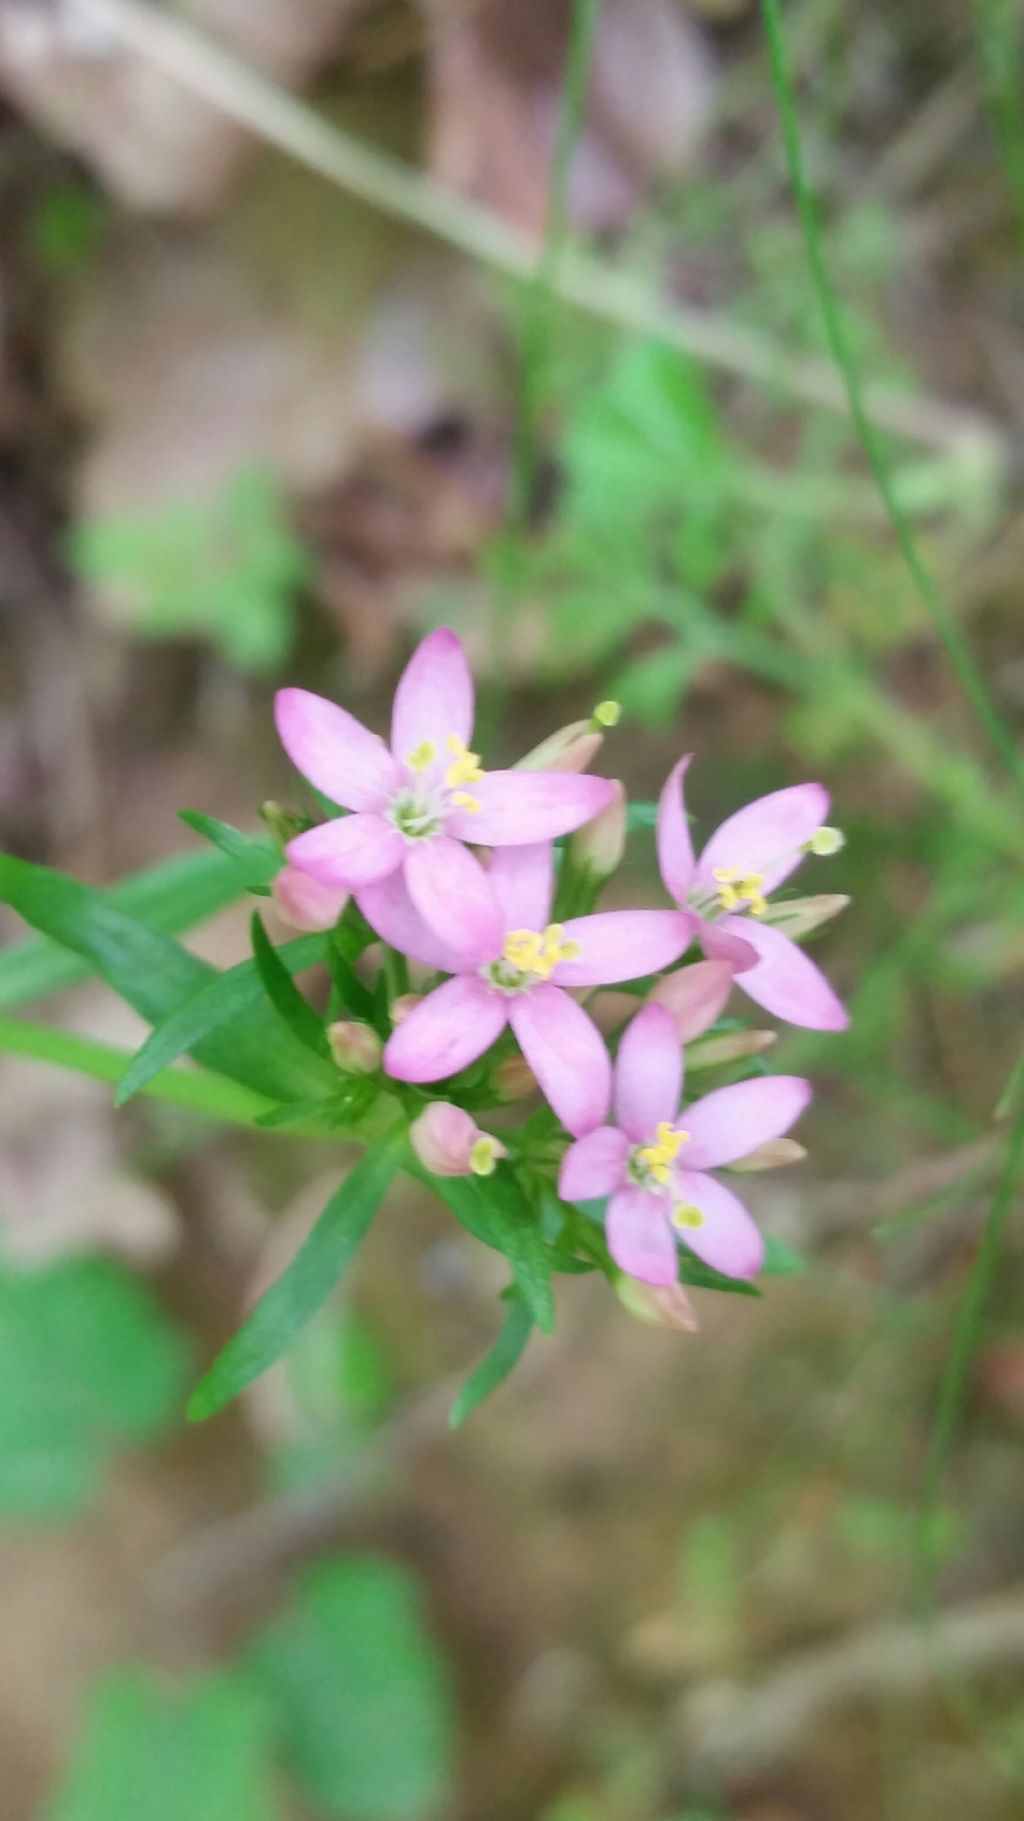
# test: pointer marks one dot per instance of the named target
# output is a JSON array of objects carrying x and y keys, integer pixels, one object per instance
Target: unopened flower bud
[
  {"x": 448, "y": 1142},
  {"x": 731, "y": 1046},
  {"x": 282, "y": 824},
  {"x": 402, "y": 1006},
  {"x": 304, "y": 903},
  {"x": 597, "y": 848},
  {"x": 826, "y": 841},
  {"x": 513, "y": 1079},
  {"x": 774, "y": 1154},
  {"x": 797, "y": 917},
  {"x": 606, "y": 714},
  {"x": 661, "y": 1305},
  {"x": 572, "y": 748},
  {"x": 356, "y": 1047},
  {"x": 695, "y": 996}
]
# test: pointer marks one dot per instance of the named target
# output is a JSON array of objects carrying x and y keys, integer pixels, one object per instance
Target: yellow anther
[
  {"x": 462, "y": 800},
  {"x": 686, "y": 1215},
  {"x": 484, "y": 1155},
  {"x": 826, "y": 841},
  {"x": 536, "y": 953},
  {"x": 659, "y": 1156},
  {"x": 734, "y": 890},
  {"x": 465, "y": 766},
  {"x": 421, "y": 756},
  {"x": 607, "y": 714}
]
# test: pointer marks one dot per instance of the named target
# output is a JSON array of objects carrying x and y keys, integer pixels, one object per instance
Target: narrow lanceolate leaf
[
  {"x": 781, "y": 1260},
  {"x": 494, "y": 1209},
  {"x": 155, "y": 975},
  {"x": 283, "y": 993},
  {"x": 496, "y": 1365},
  {"x": 168, "y": 898},
  {"x": 215, "y": 1004},
  {"x": 255, "y": 857},
  {"x": 305, "y": 1284}
]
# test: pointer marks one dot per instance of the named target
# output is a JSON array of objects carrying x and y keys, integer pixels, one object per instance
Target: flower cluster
[{"x": 467, "y": 874}]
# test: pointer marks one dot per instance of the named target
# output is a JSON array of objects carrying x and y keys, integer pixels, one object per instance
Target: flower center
[
  {"x": 736, "y": 888},
  {"x": 651, "y": 1164},
  {"x": 421, "y": 808},
  {"x": 530, "y": 955}
]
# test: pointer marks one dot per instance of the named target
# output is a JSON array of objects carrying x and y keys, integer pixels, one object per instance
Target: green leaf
[
  {"x": 156, "y": 1753},
  {"x": 494, "y": 1209},
  {"x": 305, "y": 1284},
  {"x": 284, "y": 995},
  {"x": 217, "y": 1002},
  {"x": 87, "y": 1363},
  {"x": 699, "y": 1276},
  {"x": 496, "y": 1365},
  {"x": 155, "y": 975},
  {"x": 781, "y": 1260},
  {"x": 641, "y": 815},
  {"x": 361, "y": 1692},
  {"x": 169, "y": 898},
  {"x": 255, "y": 857}
]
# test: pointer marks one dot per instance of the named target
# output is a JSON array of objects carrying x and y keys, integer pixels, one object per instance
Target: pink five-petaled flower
[
  {"x": 522, "y": 982},
  {"x": 416, "y": 802},
  {"x": 654, "y": 1162},
  {"x": 746, "y": 858}
]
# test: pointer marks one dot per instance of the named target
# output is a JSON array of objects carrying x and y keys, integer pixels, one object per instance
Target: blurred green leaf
[
  {"x": 361, "y": 1692},
  {"x": 255, "y": 856},
  {"x": 87, "y": 1361},
  {"x": 215, "y": 1004},
  {"x": 152, "y": 1752},
  {"x": 781, "y": 1260},
  {"x": 305, "y": 1284},
  {"x": 155, "y": 975},
  {"x": 275, "y": 977},
  {"x": 168, "y": 898},
  {"x": 496, "y": 1365},
  {"x": 495, "y": 1210}
]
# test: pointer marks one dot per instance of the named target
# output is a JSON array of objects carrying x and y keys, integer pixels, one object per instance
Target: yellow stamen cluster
[
  {"x": 686, "y": 1215},
  {"x": 465, "y": 768},
  {"x": 659, "y": 1157},
  {"x": 421, "y": 756},
  {"x": 534, "y": 952},
  {"x": 736, "y": 888}
]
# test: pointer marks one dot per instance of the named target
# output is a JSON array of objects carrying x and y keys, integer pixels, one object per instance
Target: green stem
[
  {"x": 957, "y": 649},
  {"x": 999, "y": 51},
  {"x": 210, "y": 1094}
]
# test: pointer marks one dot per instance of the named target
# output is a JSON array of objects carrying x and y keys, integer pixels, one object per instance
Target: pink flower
[
  {"x": 654, "y": 1163},
  {"x": 304, "y": 902},
  {"x": 745, "y": 859},
  {"x": 448, "y": 1142},
  {"x": 521, "y": 983},
  {"x": 418, "y": 801}
]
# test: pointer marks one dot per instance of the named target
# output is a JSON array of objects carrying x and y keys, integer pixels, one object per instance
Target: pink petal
[
  {"x": 434, "y": 697},
  {"x": 694, "y": 996},
  {"x": 524, "y": 880},
  {"x": 521, "y": 807},
  {"x": 455, "y": 898},
  {"x": 349, "y": 851},
  {"x": 566, "y": 1053},
  {"x": 303, "y": 902},
  {"x": 623, "y": 945},
  {"x": 733, "y": 1121},
  {"x": 334, "y": 751},
  {"x": 648, "y": 1073},
  {"x": 785, "y": 980},
  {"x": 639, "y": 1236},
  {"x": 675, "y": 849},
  {"x": 728, "y": 1240},
  {"x": 594, "y": 1166},
  {"x": 392, "y": 913},
  {"x": 450, "y": 1028},
  {"x": 728, "y": 945},
  {"x": 768, "y": 835}
]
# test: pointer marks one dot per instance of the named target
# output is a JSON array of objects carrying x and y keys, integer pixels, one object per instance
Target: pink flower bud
[
  {"x": 448, "y": 1142},
  {"x": 774, "y": 1154},
  {"x": 356, "y": 1048},
  {"x": 731, "y": 1046},
  {"x": 662, "y": 1305},
  {"x": 599, "y": 845},
  {"x": 402, "y": 1006},
  {"x": 572, "y": 748},
  {"x": 797, "y": 917},
  {"x": 304, "y": 902},
  {"x": 514, "y": 1079},
  {"x": 695, "y": 996}
]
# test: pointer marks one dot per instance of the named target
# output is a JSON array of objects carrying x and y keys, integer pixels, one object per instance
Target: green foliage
[
  {"x": 255, "y": 856},
  {"x": 226, "y": 569},
  {"x": 494, "y": 1209},
  {"x": 305, "y": 1284},
  {"x": 66, "y": 227},
  {"x": 153, "y": 1752},
  {"x": 361, "y": 1693},
  {"x": 496, "y": 1365},
  {"x": 87, "y": 1363}
]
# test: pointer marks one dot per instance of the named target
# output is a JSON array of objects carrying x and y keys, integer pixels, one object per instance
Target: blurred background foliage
[{"x": 253, "y": 428}]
